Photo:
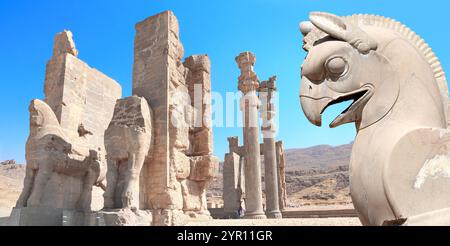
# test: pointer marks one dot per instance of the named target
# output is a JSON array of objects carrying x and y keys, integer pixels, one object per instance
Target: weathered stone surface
[
  {"x": 59, "y": 174},
  {"x": 128, "y": 141},
  {"x": 65, "y": 151},
  {"x": 399, "y": 165},
  {"x": 232, "y": 186},
  {"x": 182, "y": 164},
  {"x": 194, "y": 195},
  {"x": 168, "y": 217},
  {"x": 158, "y": 160},
  {"x": 201, "y": 142},
  {"x": 281, "y": 175},
  {"x": 158, "y": 53},
  {"x": 268, "y": 129},
  {"x": 122, "y": 217},
  {"x": 78, "y": 218},
  {"x": 248, "y": 84},
  {"x": 203, "y": 168},
  {"x": 198, "y": 63},
  {"x": 35, "y": 216},
  {"x": 64, "y": 44},
  {"x": 160, "y": 77},
  {"x": 80, "y": 96}
]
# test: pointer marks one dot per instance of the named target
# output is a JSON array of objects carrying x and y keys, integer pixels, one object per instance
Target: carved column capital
[{"x": 248, "y": 80}]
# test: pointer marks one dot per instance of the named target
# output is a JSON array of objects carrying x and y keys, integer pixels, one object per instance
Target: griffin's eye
[{"x": 336, "y": 66}]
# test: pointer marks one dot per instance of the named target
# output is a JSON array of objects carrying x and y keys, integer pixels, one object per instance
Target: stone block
[
  {"x": 36, "y": 216},
  {"x": 182, "y": 164},
  {"x": 123, "y": 217},
  {"x": 168, "y": 217},
  {"x": 203, "y": 168},
  {"x": 201, "y": 142},
  {"x": 232, "y": 183},
  {"x": 194, "y": 197}
]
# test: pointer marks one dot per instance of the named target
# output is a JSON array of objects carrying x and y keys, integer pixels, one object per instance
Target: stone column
[
  {"x": 231, "y": 194},
  {"x": 248, "y": 84},
  {"x": 268, "y": 129},
  {"x": 282, "y": 196}
]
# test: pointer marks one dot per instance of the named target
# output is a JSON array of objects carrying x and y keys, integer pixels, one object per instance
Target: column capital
[
  {"x": 268, "y": 85},
  {"x": 248, "y": 80}
]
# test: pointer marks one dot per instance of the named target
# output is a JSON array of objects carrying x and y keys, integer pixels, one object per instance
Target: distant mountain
[
  {"x": 320, "y": 156},
  {"x": 316, "y": 175}
]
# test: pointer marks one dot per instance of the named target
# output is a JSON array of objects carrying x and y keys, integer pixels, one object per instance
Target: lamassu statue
[
  {"x": 400, "y": 162},
  {"x": 52, "y": 161}
]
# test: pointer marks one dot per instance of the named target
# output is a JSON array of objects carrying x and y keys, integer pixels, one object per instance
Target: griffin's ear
[
  {"x": 306, "y": 27},
  {"x": 330, "y": 24}
]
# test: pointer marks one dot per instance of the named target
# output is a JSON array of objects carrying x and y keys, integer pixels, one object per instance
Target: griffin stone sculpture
[{"x": 400, "y": 163}]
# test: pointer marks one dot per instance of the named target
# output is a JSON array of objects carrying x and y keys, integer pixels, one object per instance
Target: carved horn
[
  {"x": 330, "y": 24},
  {"x": 336, "y": 27}
]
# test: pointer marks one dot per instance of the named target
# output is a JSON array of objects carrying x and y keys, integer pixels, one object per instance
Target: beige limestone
[
  {"x": 64, "y": 44},
  {"x": 281, "y": 175},
  {"x": 203, "y": 168},
  {"x": 268, "y": 128},
  {"x": 249, "y": 153},
  {"x": 82, "y": 98},
  {"x": 159, "y": 156},
  {"x": 182, "y": 164},
  {"x": 248, "y": 84},
  {"x": 151, "y": 81},
  {"x": 58, "y": 174},
  {"x": 232, "y": 189},
  {"x": 122, "y": 217},
  {"x": 128, "y": 141},
  {"x": 399, "y": 164},
  {"x": 65, "y": 151}
]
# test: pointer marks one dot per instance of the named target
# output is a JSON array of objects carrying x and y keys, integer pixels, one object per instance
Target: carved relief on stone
[
  {"x": 55, "y": 164},
  {"x": 281, "y": 175},
  {"x": 248, "y": 80},
  {"x": 128, "y": 140}
]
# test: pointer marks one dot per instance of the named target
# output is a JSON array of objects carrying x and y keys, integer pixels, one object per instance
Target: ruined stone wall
[
  {"x": 82, "y": 98},
  {"x": 199, "y": 85},
  {"x": 182, "y": 164},
  {"x": 203, "y": 164},
  {"x": 150, "y": 80}
]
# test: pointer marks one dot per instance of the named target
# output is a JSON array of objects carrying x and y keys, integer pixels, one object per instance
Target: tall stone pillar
[
  {"x": 282, "y": 196},
  {"x": 231, "y": 194},
  {"x": 248, "y": 84},
  {"x": 181, "y": 164},
  {"x": 268, "y": 129},
  {"x": 233, "y": 180}
]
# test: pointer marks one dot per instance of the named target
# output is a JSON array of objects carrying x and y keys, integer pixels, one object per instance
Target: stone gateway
[{"x": 157, "y": 159}]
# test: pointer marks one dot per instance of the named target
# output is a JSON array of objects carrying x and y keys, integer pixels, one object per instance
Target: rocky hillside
[
  {"x": 11, "y": 183},
  {"x": 314, "y": 176}
]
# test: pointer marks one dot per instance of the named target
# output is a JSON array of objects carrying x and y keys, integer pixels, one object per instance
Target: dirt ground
[
  {"x": 269, "y": 222},
  {"x": 281, "y": 222}
]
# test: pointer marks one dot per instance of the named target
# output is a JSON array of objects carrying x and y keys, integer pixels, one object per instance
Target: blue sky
[{"x": 104, "y": 32}]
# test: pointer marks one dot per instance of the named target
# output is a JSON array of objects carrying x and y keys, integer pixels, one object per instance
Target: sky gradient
[{"x": 104, "y": 33}]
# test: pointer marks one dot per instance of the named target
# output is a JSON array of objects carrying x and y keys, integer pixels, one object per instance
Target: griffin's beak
[
  {"x": 315, "y": 98},
  {"x": 313, "y": 108}
]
